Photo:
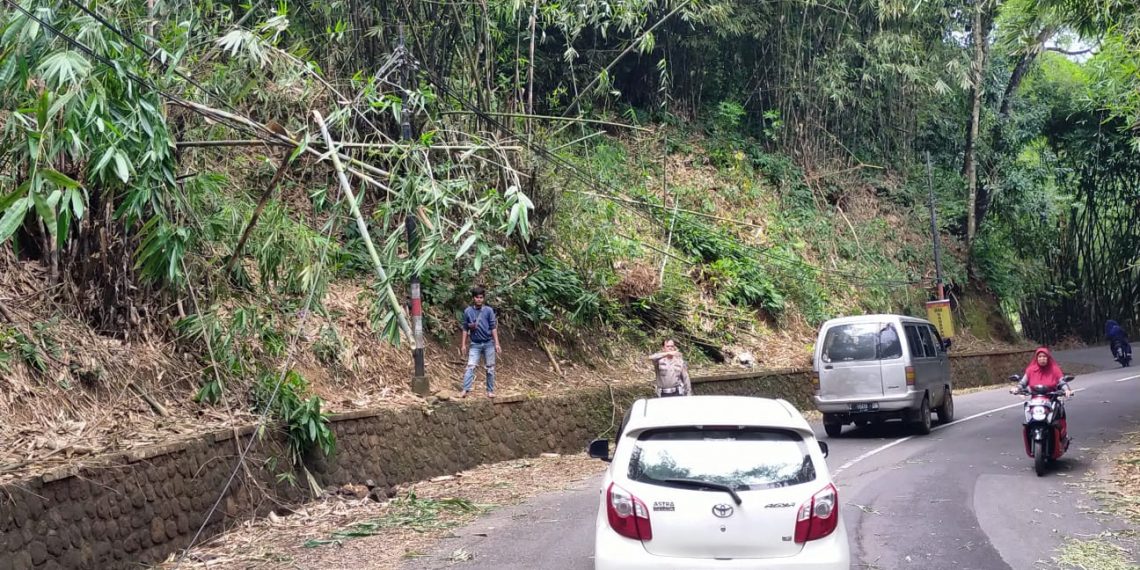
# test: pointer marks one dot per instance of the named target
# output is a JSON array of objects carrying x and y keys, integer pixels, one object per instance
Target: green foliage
[
  {"x": 329, "y": 348},
  {"x": 283, "y": 397},
  {"x": 408, "y": 512},
  {"x": 76, "y": 119},
  {"x": 554, "y": 293},
  {"x": 13, "y": 341},
  {"x": 737, "y": 274},
  {"x": 234, "y": 346}
]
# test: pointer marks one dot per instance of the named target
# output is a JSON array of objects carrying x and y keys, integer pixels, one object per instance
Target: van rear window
[{"x": 857, "y": 342}]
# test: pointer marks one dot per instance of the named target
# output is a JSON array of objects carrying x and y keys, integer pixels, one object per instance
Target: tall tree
[{"x": 980, "y": 29}]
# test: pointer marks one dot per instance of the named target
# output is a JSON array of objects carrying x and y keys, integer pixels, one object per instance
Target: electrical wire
[{"x": 576, "y": 171}]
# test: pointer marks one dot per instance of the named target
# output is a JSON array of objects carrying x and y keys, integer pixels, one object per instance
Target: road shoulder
[
  {"x": 343, "y": 531},
  {"x": 1113, "y": 485}
]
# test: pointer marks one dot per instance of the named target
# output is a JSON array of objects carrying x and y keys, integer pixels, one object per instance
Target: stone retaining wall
[{"x": 141, "y": 506}]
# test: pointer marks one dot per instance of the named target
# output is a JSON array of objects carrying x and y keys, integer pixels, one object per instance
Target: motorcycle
[
  {"x": 1122, "y": 353},
  {"x": 1042, "y": 431}
]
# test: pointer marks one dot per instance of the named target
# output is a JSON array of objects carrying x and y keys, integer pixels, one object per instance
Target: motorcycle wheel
[{"x": 1040, "y": 458}]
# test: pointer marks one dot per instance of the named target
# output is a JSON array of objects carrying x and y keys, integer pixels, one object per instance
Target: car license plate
[{"x": 865, "y": 407}]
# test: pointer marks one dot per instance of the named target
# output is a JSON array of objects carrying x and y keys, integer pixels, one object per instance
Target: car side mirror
[
  {"x": 599, "y": 449},
  {"x": 946, "y": 344},
  {"x": 1068, "y": 378},
  {"x": 823, "y": 448}
]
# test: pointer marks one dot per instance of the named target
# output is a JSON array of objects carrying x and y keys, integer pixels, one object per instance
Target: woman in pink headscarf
[{"x": 1044, "y": 371}]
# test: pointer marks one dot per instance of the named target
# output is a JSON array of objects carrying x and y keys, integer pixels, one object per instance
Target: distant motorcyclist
[
  {"x": 1044, "y": 371},
  {"x": 1117, "y": 338}
]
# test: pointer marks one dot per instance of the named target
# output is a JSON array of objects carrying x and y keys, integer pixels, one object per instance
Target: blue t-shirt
[{"x": 483, "y": 320}]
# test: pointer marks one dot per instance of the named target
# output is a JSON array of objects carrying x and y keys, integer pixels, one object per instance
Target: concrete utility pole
[{"x": 419, "y": 378}]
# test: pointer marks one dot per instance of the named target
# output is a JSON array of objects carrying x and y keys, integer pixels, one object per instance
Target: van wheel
[
  {"x": 832, "y": 427},
  {"x": 922, "y": 423},
  {"x": 946, "y": 410}
]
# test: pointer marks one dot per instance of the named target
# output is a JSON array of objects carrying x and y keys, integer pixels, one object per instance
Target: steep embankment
[{"x": 753, "y": 251}]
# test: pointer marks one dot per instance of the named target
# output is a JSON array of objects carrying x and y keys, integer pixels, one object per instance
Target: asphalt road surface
[{"x": 962, "y": 498}]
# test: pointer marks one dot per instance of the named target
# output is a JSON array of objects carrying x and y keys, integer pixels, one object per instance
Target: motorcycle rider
[
  {"x": 1117, "y": 337},
  {"x": 1043, "y": 370}
]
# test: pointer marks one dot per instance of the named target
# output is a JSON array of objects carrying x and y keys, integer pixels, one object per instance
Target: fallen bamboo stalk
[
  {"x": 259, "y": 142},
  {"x": 261, "y": 202},
  {"x": 272, "y": 136},
  {"x": 154, "y": 405},
  {"x": 397, "y": 308},
  {"x": 550, "y": 355},
  {"x": 550, "y": 118}
]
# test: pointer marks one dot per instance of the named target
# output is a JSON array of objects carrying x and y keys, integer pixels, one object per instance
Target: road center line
[
  {"x": 887, "y": 446},
  {"x": 1127, "y": 379}
]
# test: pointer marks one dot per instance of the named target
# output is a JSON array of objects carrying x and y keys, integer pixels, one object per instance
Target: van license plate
[{"x": 865, "y": 407}]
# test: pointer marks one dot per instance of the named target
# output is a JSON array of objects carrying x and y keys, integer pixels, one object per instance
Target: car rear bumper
[
  {"x": 613, "y": 552},
  {"x": 908, "y": 401}
]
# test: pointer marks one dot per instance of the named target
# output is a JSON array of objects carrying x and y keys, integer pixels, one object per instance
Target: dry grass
[
  {"x": 1098, "y": 553},
  {"x": 1119, "y": 490},
  {"x": 361, "y": 534},
  {"x": 80, "y": 403},
  {"x": 1116, "y": 486}
]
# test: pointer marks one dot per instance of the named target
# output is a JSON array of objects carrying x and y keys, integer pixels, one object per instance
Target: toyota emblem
[{"x": 722, "y": 510}]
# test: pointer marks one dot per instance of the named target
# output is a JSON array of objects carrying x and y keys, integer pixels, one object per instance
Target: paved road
[{"x": 963, "y": 498}]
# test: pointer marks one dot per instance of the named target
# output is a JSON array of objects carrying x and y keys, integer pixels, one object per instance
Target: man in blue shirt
[{"x": 481, "y": 328}]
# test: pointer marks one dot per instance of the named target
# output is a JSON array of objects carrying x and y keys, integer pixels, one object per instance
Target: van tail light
[
  {"x": 818, "y": 517},
  {"x": 628, "y": 515},
  {"x": 909, "y": 375},
  {"x": 815, "y": 382}
]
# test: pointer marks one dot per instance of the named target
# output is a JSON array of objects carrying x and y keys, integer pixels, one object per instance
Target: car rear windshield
[
  {"x": 866, "y": 341},
  {"x": 744, "y": 459}
]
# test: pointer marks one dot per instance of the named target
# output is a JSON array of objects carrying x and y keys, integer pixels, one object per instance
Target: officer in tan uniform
[{"x": 672, "y": 372}]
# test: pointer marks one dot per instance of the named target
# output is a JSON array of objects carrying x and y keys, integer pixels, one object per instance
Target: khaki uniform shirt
[{"x": 673, "y": 373}]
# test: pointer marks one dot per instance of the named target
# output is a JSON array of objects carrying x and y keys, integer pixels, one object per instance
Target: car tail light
[
  {"x": 628, "y": 515},
  {"x": 815, "y": 382},
  {"x": 909, "y": 375},
  {"x": 818, "y": 517}
]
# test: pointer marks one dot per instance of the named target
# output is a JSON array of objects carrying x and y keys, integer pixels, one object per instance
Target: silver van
[{"x": 872, "y": 368}]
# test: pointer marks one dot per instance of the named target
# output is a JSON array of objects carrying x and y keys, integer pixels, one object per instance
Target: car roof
[
  {"x": 874, "y": 318},
  {"x": 716, "y": 410}
]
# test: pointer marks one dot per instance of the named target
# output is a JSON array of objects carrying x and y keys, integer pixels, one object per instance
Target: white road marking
[
  {"x": 887, "y": 446},
  {"x": 1127, "y": 379}
]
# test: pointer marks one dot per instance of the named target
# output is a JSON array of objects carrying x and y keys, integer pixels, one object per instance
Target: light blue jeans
[{"x": 487, "y": 351}]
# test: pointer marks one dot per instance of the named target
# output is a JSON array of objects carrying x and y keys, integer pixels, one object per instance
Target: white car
[{"x": 718, "y": 483}]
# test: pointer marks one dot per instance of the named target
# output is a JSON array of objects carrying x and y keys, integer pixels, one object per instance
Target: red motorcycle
[{"x": 1045, "y": 429}]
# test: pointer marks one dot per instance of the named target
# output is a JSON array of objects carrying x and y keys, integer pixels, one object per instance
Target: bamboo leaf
[
  {"x": 13, "y": 218},
  {"x": 466, "y": 227},
  {"x": 58, "y": 178},
  {"x": 466, "y": 245},
  {"x": 103, "y": 160},
  {"x": 42, "y": 110},
  {"x": 45, "y": 212},
  {"x": 77, "y": 203},
  {"x": 64, "y": 225},
  {"x": 63, "y": 69},
  {"x": 122, "y": 166},
  {"x": 513, "y": 220},
  {"x": 11, "y": 197}
]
